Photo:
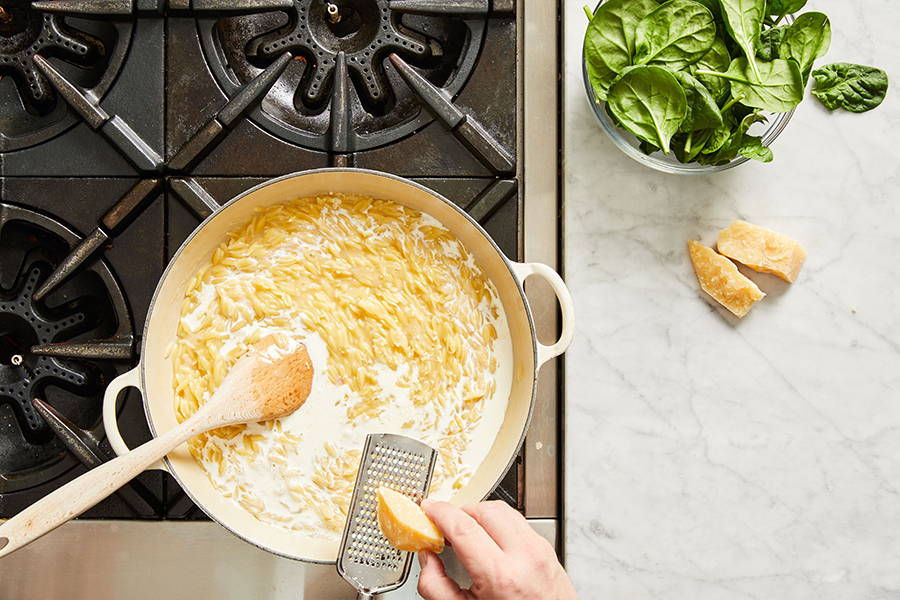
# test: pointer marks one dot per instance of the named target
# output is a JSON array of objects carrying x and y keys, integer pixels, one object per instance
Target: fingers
[
  {"x": 434, "y": 584},
  {"x": 505, "y": 525},
  {"x": 474, "y": 548}
]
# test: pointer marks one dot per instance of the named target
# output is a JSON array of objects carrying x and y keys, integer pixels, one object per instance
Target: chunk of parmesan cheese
[
  {"x": 720, "y": 278},
  {"x": 762, "y": 250}
]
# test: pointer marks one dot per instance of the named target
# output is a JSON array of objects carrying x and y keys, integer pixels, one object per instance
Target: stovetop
[{"x": 124, "y": 123}]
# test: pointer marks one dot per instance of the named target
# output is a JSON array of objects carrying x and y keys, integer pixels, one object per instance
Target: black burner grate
[
  {"x": 90, "y": 51},
  {"x": 89, "y": 305},
  {"x": 340, "y": 94},
  {"x": 24, "y": 33}
]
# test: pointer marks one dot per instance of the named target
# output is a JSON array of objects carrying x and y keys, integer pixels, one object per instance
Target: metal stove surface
[{"x": 135, "y": 119}]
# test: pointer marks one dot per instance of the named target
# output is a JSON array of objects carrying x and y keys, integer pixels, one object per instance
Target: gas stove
[{"x": 124, "y": 123}]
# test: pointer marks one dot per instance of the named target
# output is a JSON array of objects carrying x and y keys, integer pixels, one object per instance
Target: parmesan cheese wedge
[
  {"x": 762, "y": 250},
  {"x": 720, "y": 278},
  {"x": 405, "y": 524}
]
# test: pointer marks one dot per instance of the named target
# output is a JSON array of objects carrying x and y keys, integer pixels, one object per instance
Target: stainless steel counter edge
[
  {"x": 539, "y": 175},
  {"x": 147, "y": 560}
]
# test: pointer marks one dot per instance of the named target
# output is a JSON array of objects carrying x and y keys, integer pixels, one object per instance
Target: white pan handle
[
  {"x": 525, "y": 270},
  {"x": 110, "y": 420}
]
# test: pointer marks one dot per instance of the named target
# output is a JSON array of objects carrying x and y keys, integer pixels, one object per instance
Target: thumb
[{"x": 434, "y": 584}]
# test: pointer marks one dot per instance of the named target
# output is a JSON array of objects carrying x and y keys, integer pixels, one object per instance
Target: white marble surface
[{"x": 713, "y": 459}]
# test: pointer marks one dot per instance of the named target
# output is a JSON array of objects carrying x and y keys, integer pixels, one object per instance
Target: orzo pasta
[{"x": 405, "y": 332}]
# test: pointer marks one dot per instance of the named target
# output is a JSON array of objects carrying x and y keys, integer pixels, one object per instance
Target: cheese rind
[
  {"x": 720, "y": 278},
  {"x": 762, "y": 250}
]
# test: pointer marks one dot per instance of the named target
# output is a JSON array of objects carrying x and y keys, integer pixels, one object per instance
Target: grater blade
[{"x": 366, "y": 559}]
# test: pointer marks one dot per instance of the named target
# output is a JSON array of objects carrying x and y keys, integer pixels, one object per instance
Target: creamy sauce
[
  {"x": 271, "y": 474},
  {"x": 323, "y": 418}
]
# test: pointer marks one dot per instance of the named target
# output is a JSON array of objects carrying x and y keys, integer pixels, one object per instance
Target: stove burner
[
  {"x": 89, "y": 305},
  {"x": 364, "y": 30},
  {"x": 89, "y": 51},
  {"x": 25, "y": 32},
  {"x": 340, "y": 80},
  {"x": 22, "y": 325}
]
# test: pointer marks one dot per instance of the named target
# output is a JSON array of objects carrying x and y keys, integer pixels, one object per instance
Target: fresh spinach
[
  {"x": 752, "y": 147},
  {"x": 691, "y": 76},
  {"x": 779, "y": 8},
  {"x": 718, "y": 138},
  {"x": 736, "y": 140},
  {"x": 716, "y": 59},
  {"x": 609, "y": 40},
  {"x": 806, "y": 40},
  {"x": 855, "y": 88},
  {"x": 743, "y": 20},
  {"x": 770, "y": 43},
  {"x": 702, "y": 110},
  {"x": 711, "y": 5},
  {"x": 675, "y": 35},
  {"x": 687, "y": 146},
  {"x": 649, "y": 102},
  {"x": 777, "y": 88}
]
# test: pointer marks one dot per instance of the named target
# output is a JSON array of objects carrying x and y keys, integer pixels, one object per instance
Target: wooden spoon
[{"x": 268, "y": 382}]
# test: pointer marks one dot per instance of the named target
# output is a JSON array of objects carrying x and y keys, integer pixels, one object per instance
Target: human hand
[{"x": 503, "y": 555}]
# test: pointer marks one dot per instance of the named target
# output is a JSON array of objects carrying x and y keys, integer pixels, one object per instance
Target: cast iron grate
[
  {"x": 89, "y": 305},
  {"x": 90, "y": 51},
  {"x": 340, "y": 94}
]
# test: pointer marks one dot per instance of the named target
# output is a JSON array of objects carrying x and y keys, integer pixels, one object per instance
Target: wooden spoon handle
[{"x": 82, "y": 493}]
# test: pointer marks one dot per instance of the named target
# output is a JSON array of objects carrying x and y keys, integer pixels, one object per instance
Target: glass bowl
[{"x": 667, "y": 163}]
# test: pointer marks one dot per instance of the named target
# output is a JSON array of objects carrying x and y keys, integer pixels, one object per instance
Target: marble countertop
[{"x": 710, "y": 458}]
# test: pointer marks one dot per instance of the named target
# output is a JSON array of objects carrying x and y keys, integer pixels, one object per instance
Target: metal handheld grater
[{"x": 366, "y": 560}]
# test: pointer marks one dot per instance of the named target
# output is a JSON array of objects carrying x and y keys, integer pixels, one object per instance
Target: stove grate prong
[
  {"x": 194, "y": 196},
  {"x": 86, "y": 447},
  {"x": 121, "y": 212},
  {"x": 491, "y": 199},
  {"x": 340, "y": 128},
  {"x": 85, "y": 7},
  {"x": 112, "y": 349},
  {"x": 441, "y": 7},
  {"x": 115, "y": 129},
  {"x": 240, "y": 5},
  {"x": 250, "y": 94},
  {"x": 464, "y": 126},
  {"x": 130, "y": 7},
  {"x": 84, "y": 104}
]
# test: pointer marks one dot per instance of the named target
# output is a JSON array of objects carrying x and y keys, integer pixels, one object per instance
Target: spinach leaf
[
  {"x": 856, "y": 88},
  {"x": 752, "y": 147},
  {"x": 718, "y": 138},
  {"x": 702, "y": 110},
  {"x": 743, "y": 20},
  {"x": 675, "y": 35},
  {"x": 717, "y": 59},
  {"x": 600, "y": 76},
  {"x": 778, "y": 88},
  {"x": 687, "y": 146},
  {"x": 770, "y": 43},
  {"x": 718, "y": 151},
  {"x": 609, "y": 40},
  {"x": 807, "y": 39},
  {"x": 711, "y": 5},
  {"x": 649, "y": 102},
  {"x": 780, "y": 8}
]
